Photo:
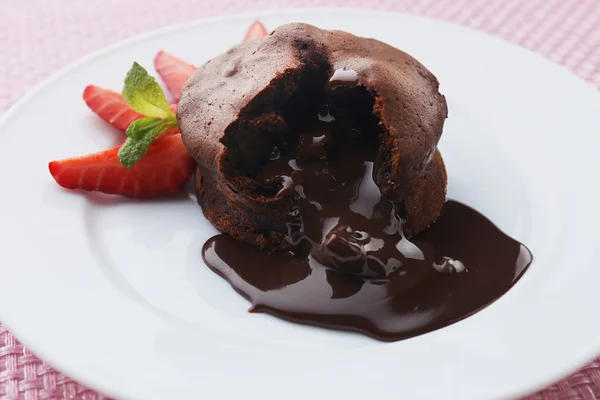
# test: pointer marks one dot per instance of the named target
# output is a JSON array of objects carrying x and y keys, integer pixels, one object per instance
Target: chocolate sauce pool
[{"x": 353, "y": 269}]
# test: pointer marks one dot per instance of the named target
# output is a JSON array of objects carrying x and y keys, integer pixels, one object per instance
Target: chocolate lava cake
[{"x": 241, "y": 110}]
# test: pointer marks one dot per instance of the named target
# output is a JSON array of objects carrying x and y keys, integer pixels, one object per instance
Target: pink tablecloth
[{"x": 37, "y": 37}]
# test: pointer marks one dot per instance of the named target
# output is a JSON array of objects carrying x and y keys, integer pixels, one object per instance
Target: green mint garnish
[
  {"x": 141, "y": 133},
  {"x": 144, "y": 95}
]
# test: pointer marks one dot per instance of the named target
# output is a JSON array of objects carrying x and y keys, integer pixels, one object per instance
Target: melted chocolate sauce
[
  {"x": 353, "y": 269},
  {"x": 342, "y": 77}
]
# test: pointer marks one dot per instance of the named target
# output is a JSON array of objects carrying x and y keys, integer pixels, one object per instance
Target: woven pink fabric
[{"x": 37, "y": 37}]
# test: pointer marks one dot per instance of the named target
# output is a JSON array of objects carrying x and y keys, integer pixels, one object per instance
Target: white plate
[{"x": 114, "y": 293}]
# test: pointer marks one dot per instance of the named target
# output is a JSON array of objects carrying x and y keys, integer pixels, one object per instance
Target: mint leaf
[
  {"x": 144, "y": 95},
  {"x": 141, "y": 133}
]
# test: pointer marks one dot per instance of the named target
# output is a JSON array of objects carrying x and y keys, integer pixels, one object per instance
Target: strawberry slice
[
  {"x": 172, "y": 131},
  {"x": 164, "y": 170},
  {"x": 256, "y": 31},
  {"x": 110, "y": 106},
  {"x": 173, "y": 71}
]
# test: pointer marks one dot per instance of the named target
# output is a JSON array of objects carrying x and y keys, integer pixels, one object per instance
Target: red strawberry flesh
[
  {"x": 256, "y": 31},
  {"x": 173, "y": 71},
  {"x": 110, "y": 106},
  {"x": 163, "y": 170}
]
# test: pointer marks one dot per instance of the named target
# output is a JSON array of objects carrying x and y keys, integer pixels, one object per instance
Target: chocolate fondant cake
[{"x": 243, "y": 109}]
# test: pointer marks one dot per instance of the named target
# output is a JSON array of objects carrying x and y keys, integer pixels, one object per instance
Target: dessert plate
[{"x": 114, "y": 292}]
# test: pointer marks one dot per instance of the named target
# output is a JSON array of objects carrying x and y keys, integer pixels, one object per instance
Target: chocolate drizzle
[
  {"x": 342, "y": 77},
  {"x": 353, "y": 268}
]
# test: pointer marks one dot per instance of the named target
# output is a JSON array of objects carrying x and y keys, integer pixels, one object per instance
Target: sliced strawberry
[
  {"x": 110, "y": 106},
  {"x": 256, "y": 31},
  {"x": 173, "y": 71},
  {"x": 163, "y": 170},
  {"x": 172, "y": 131}
]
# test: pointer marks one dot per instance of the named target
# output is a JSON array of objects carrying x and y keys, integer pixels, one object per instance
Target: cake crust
[
  {"x": 232, "y": 112},
  {"x": 267, "y": 230}
]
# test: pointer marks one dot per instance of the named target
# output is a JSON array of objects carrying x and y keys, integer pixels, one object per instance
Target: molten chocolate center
[
  {"x": 342, "y": 219},
  {"x": 353, "y": 268}
]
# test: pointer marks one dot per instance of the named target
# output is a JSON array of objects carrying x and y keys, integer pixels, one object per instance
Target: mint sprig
[
  {"x": 141, "y": 133},
  {"x": 144, "y": 95}
]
